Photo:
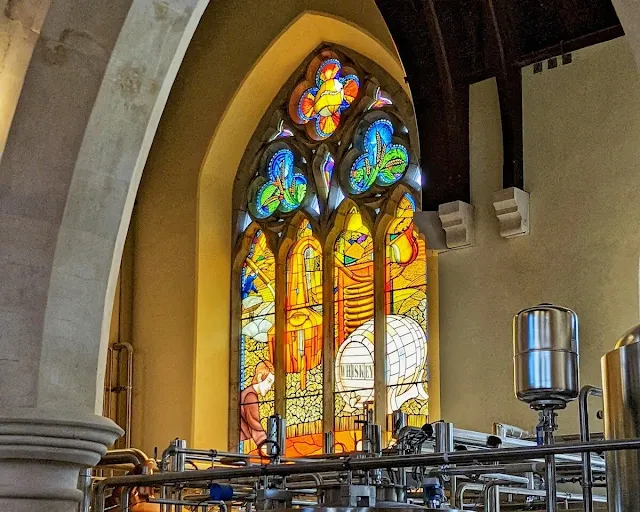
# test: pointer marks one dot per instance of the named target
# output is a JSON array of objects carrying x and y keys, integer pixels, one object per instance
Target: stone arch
[{"x": 90, "y": 104}]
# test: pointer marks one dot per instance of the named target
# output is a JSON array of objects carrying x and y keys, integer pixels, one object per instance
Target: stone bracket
[
  {"x": 512, "y": 209},
  {"x": 457, "y": 222}
]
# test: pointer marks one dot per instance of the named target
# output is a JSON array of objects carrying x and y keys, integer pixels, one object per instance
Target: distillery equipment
[
  {"x": 433, "y": 467},
  {"x": 621, "y": 389},
  {"x": 546, "y": 371},
  {"x": 545, "y": 346}
]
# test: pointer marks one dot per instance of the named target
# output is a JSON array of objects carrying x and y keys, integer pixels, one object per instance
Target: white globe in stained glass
[{"x": 406, "y": 364}]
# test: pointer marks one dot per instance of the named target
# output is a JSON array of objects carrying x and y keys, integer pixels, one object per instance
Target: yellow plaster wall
[
  {"x": 242, "y": 53},
  {"x": 582, "y": 169}
]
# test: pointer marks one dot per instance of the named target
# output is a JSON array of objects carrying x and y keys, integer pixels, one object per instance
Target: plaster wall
[
  {"x": 235, "y": 65},
  {"x": 581, "y": 156}
]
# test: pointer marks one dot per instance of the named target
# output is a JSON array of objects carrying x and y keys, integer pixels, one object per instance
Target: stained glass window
[
  {"x": 353, "y": 308},
  {"x": 406, "y": 315},
  {"x": 359, "y": 173},
  {"x": 381, "y": 160},
  {"x": 318, "y": 102},
  {"x": 257, "y": 290},
  {"x": 283, "y": 188},
  {"x": 326, "y": 167},
  {"x": 381, "y": 99},
  {"x": 303, "y": 309}
]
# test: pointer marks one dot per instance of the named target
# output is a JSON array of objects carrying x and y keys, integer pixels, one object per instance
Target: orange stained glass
[
  {"x": 406, "y": 310},
  {"x": 353, "y": 310},
  {"x": 303, "y": 349}
]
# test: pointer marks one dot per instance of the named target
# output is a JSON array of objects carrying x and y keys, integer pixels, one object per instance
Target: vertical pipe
[
  {"x": 106, "y": 405},
  {"x": 550, "y": 474},
  {"x": 491, "y": 497},
  {"x": 128, "y": 387},
  {"x": 84, "y": 484},
  {"x": 585, "y": 436},
  {"x": 329, "y": 443},
  {"x": 443, "y": 433},
  {"x": 548, "y": 419}
]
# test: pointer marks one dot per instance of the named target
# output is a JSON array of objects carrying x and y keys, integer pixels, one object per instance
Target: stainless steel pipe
[
  {"x": 128, "y": 388},
  {"x": 479, "y": 440},
  {"x": 518, "y": 491},
  {"x": 436, "y": 459},
  {"x": 585, "y": 437}
]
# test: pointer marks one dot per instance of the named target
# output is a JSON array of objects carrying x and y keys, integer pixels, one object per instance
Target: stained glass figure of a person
[
  {"x": 250, "y": 426},
  {"x": 248, "y": 285}
]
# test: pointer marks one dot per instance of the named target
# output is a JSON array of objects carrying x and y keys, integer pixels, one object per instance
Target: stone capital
[{"x": 41, "y": 454}]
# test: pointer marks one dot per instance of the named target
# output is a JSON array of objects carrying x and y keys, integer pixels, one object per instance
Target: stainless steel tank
[
  {"x": 545, "y": 349},
  {"x": 621, "y": 391}
]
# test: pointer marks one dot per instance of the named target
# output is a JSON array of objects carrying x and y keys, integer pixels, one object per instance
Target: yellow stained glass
[
  {"x": 257, "y": 339},
  {"x": 353, "y": 310},
  {"x": 406, "y": 310},
  {"x": 303, "y": 353}
]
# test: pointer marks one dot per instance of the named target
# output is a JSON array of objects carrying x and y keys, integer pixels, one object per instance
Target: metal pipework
[
  {"x": 443, "y": 434},
  {"x": 585, "y": 437},
  {"x": 329, "y": 442},
  {"x": 621, "y": 390},
  {"x": 128, "y": 388},
  {"x": 545, "y": 355},
  {"x": 547, "y": 427},
  {"x": 123, "y": 456},
  {"x": 114, "y": 385},
  {"x": 322, "y": 466},
  {"x": 479, "y": 440},
  {"x": 518, "y": 491},
  {"x": 85, "y": 485},
  {"x": 509, "y": 431}
]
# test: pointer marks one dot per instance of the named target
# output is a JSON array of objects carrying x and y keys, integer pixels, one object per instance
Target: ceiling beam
[
  {"x": 509, "y": 82},
  {"x": 441, "y": 101}
]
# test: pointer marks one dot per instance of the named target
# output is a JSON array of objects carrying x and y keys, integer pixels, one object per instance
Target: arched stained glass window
[
  {"x": 257, "y": 339},
  {"x": 330, "y": 186},
  {"x": 303, "y": 353}
]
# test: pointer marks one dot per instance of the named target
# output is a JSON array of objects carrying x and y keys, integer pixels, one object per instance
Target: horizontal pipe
[
  {"x": 124, "y": 456},
  {"x": 398, "y": 461},
  {"x": 571, "y": 496},
  {"x": 479, "y": 439}
]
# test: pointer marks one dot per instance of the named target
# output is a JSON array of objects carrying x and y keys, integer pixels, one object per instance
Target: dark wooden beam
[
  {"x": 440, "y": 99},
  {"x": 509, "y": 82}
]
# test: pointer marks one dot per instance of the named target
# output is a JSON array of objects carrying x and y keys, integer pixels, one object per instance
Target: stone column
[
  {"x": 41, "y": 454},
  {"x": 97, "y": 82}
]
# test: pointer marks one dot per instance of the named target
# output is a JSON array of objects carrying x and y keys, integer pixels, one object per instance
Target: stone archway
[{"x": 92, "y": 97}]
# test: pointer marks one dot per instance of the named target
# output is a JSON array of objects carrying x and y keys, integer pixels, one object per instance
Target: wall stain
[
  {"x": 55, "y": 54},
  {"x": 129, "y": 81},
  {"x": 161, "y": 10}
]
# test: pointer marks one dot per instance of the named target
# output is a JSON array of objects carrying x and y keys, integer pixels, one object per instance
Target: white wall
[{"x": 582, "y": 169}]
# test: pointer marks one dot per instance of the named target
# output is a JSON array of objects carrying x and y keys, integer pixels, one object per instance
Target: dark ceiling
[{"x": 446, "y": 45}]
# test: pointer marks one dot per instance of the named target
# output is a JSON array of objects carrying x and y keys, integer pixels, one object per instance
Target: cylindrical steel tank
[
  {"x": 621, "y": 391},
  {"x": 545, "y": 350}
]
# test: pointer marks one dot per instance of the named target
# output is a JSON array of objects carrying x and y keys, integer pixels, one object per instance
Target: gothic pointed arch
[{"x": 331, "y": 182}]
